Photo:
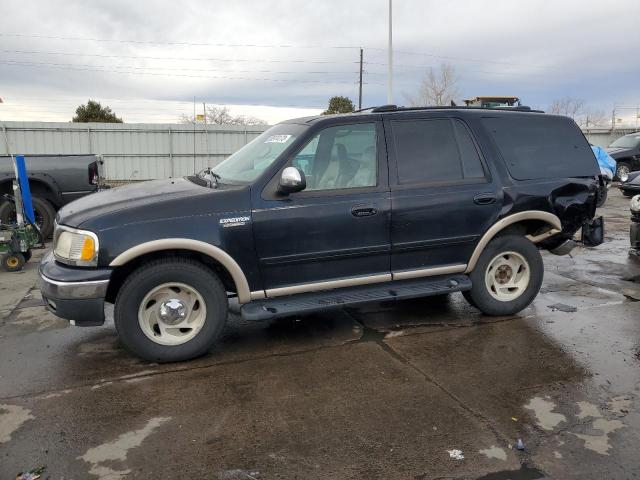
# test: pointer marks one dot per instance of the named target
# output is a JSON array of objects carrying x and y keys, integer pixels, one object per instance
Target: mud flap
[{"x": 593, "y": 232}]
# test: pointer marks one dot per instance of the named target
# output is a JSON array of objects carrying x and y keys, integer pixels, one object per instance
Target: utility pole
[
  {"x": 613, "y": 119},
  {"x": 194, "y": 135},
  {"x": 390, "y": 60},
  {"x": 206, "y": 132},
  {"x": 360, "y": 89}
]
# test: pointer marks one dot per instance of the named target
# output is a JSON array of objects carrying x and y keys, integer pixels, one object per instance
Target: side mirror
[{"x": 292, "y": 180}]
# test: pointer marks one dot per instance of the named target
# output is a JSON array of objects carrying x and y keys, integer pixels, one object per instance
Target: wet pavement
[{"x": 420, "y": 389}]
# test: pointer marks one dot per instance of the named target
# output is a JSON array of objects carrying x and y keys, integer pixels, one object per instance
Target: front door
[
  {"x": 337, "y": 229},
  {"x": 443, "y": 195}
]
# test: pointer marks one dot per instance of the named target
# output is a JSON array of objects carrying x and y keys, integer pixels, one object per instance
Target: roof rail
[{"x": 395, "y": 108}]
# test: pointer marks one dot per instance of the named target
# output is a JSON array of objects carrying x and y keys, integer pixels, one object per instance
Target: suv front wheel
[
  {"x": 507, "y": 277},
  {"x": 170, "y": 310}
]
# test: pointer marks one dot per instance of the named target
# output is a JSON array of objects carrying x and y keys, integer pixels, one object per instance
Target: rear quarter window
[{"x": 542, "y": 146}]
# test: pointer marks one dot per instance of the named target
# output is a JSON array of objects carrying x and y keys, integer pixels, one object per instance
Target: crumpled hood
[{"x": 127, "y": 197}]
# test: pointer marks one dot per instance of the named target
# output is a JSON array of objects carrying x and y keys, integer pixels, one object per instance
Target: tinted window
[
  {"x": 340, "y": 157},
  {"x": 540, "y": 146},
  {"x": 434, "y": 151}
]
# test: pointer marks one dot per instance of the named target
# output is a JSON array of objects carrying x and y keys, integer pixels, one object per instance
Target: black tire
[
  {"x": 27, "y": 255},
  {"x": 480, "y": 297},
  {"x": 12, "y": 262},
  {"x": 620, "y": 168},
  {"x": 142, "y": 281},
  {"x": 44, "y": 212}
]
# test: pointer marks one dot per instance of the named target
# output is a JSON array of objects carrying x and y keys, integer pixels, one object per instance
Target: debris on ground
[
  {"x": 520, "y": 444},
  {"x": 34, "y": 474},
  {"x": 456, "y": 454},
  {"x": 562, "y": 308}
]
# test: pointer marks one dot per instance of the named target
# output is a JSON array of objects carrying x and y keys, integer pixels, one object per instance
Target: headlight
[
  {"x": 75, "y": 247},
  {"x": 635, "y": 204}
]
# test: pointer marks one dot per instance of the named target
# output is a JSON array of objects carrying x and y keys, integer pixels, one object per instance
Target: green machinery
[{"x": 18, "y": 238}]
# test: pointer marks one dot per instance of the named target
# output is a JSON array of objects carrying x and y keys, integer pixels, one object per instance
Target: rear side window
[
  {"x": 435, "y": 151},
  {"x": 541, "y": 146}
]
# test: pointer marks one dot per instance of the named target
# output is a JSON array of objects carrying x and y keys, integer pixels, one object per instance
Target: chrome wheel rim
[
  {"x": 172, "y": 314},
  {"x": 507, "y": 276}
]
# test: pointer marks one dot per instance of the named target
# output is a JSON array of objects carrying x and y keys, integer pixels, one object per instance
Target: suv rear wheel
[
  {"x": 171, "y": 310},
  {"x": 507, "y": 277}
]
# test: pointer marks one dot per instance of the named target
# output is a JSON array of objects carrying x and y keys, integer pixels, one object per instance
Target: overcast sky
[{"x": 149, "y": 59}]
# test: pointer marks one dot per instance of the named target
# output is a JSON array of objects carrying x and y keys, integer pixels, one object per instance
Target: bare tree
[
  {"x": 220, "y": 115},
  {"x": 594, "y": 119},
  {"x": 567, "y": 106},
  {"x": 437, "y": 87},
  {"x": 577, "y": 109}
]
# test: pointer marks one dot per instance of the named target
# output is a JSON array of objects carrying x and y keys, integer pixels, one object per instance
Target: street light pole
[{"x": 390, "y": 60}]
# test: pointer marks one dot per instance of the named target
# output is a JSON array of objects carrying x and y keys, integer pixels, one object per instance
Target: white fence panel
[{"x": 132, "y": 151}]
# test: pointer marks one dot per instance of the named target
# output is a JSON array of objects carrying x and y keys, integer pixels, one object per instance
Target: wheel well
[
  {"x": 526, "y": 227},
  {"x": 120, "y": 273},
  {"x": 37, "y": 187}
]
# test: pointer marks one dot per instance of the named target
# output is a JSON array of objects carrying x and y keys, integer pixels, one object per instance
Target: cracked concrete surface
[{"x": 381, "y": 391}]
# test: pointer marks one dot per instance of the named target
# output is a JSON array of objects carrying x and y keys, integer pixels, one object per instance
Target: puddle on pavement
[
  {"x": 600, "y": 443},
  {"x": 494, "y": 452},
  {"x": 543, "y": 410},
  {"x": 11, "y": 419},
  {"x": 102, "y": 457},
  {"x": 525, "y": 473}
]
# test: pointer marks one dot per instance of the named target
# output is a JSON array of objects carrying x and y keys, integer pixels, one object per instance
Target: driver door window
[{"x": 340, "y": 157}]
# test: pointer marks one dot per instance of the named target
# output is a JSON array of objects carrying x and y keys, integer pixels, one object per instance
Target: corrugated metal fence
[
  {"x": 132, "y": 151},
  {"x": 603, "y": 137}
]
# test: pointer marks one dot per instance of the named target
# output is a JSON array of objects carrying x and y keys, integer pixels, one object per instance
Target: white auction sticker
[{"x": 278, "y": 139}]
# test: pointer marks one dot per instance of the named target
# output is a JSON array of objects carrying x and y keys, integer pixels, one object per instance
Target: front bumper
[
  {"x": 76, "y": 294},
  {"x": 630, "y": 189}
]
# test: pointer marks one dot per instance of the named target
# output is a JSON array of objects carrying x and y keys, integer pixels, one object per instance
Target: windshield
[
  {"x": 628, "y": 141},
  {"x": 251, "y": 160}
]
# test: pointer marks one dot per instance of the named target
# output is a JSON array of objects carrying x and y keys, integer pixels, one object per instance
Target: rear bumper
[{"x": 72, "y": 293}]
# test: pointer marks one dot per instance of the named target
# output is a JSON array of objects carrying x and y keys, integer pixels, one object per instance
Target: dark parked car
[
  {"x": 54, "y": 180},
  {"x": 632, "y": 186},
  {"x": 626, "y": 152},
  {"x": 323, "y": 212}
]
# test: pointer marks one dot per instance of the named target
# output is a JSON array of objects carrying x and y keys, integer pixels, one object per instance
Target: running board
[{"x": 314, "y": 301}]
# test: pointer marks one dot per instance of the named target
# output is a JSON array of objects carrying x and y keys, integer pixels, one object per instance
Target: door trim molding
[
  {"x": 428, "y": 272},
  {"x": 328, "y": 285}
]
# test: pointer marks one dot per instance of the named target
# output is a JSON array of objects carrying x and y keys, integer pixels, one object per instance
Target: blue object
[
  {"x": 520, "y": 444},
  {"x": 604, "y": 159},
  {"x": 23, "y": 182}
]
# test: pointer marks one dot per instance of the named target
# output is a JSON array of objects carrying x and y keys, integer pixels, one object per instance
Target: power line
[
  {"x": 195, "y": 59},
  {"x": 91, "y": 68},
  {"x": 190, "y": 44}
]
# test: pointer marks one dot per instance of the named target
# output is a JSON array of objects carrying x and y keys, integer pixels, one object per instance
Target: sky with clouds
[{"x": 283, "y": 58}]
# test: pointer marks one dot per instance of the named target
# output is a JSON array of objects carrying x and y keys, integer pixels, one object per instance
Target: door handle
[
  {"x": 485, "y": 198},
  {"x": 363, "y": 210}
]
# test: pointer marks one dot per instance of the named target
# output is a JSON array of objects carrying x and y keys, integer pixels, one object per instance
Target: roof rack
[{"x": 395, "y": 108}]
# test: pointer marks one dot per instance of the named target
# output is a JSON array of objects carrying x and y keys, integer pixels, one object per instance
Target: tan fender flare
[
  {"x": 219, "y": 255},
  {"x": 549, "y": 218}
]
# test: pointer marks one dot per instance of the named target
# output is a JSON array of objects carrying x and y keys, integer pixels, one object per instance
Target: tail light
[{"x": 94, "y": 178}]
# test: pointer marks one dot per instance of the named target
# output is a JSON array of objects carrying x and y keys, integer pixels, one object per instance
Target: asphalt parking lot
[{"x": 418, "y": 390}]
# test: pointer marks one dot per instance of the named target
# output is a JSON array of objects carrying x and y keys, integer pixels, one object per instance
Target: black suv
[
  {"x": 626, "y": 152},
  {"x": 325, "y": 212}
]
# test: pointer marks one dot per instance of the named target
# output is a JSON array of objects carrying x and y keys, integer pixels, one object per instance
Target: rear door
[{"x": 443, "y": 194}]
